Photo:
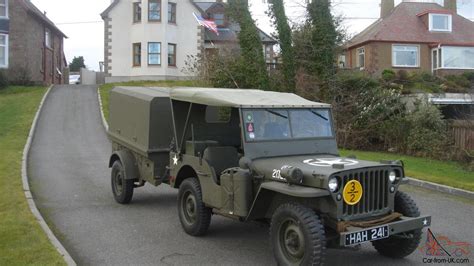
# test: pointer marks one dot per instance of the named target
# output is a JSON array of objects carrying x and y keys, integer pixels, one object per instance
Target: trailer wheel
[
  {"x": 401, "y": 245},
  {"x": 297, "y": 236},
  {"x": 122, "y": 188},
  {"x": 195, "y": 217}
]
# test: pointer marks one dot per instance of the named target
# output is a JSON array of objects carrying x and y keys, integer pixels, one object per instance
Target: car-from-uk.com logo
[{"x": 440, "y": 249}]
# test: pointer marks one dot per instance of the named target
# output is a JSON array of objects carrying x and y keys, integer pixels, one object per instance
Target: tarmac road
[{"x": 70, "y": 180}]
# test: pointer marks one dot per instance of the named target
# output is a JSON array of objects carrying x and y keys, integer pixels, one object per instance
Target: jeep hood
[{"x": 316, "y": 168}]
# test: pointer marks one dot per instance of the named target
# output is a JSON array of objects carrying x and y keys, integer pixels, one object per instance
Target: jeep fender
[
  {"x": 128, "y": 162},
  {"x": 268, "y": 190}
]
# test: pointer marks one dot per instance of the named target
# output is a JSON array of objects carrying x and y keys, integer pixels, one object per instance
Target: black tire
[
  {"x": 297, "y": 236},
  {"x": 194, "y": 216},
  {"x": 400, "y": 246},
  {"x": 122, "y": 188}
]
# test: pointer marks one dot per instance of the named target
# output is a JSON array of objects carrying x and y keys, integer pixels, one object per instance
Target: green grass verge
[
  {"x": 22, "y": 241},
  {"x": 106, "y": 88},
  {"x": 447, "y": 173}
]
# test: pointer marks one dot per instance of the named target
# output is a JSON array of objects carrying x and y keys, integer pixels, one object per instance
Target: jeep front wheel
[
  {"x": 194, "y": 216},
  {"x": 401, "y": 245},
  {"x": 297, "y": 236}
]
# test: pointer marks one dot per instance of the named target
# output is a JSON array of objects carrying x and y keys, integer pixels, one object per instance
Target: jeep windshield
[{"x": 286, "y": 124}]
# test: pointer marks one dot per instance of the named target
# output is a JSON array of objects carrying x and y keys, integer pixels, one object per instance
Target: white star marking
[
  {"x": 330, "y": 161},
  {"x": 425, "y": 222},
  {"x": 175, "y": 160}
]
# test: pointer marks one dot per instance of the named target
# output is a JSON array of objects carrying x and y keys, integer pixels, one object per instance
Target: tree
[
  {"x": 280, "y": 21},
  {"x": 322, "y": 37},
  {"x": 252, "y": 65},
  {"x": 76, "y": 64}
]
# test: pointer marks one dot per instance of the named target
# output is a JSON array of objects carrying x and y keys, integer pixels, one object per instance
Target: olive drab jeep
[{"x": 263, "y": 156}]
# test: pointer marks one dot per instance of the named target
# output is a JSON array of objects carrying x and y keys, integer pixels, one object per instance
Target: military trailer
[{"x": 262, "y": 156}]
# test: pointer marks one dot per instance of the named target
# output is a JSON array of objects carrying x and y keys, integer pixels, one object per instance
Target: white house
[{"x": 151, "y": 39}]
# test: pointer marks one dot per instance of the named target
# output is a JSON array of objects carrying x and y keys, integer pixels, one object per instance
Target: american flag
[{"x": 209, "y": 24}]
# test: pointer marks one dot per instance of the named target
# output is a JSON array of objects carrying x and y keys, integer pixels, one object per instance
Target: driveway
[{"x": 70, "y": 181}]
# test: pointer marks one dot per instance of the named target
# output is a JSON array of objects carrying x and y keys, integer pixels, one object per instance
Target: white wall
[{"x": 125, "y": 33}]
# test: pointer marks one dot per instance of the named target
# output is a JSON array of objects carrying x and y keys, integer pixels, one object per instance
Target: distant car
[{"x": 75, "y": 79}]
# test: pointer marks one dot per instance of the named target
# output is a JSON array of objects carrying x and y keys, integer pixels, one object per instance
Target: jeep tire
[
  {"x": 297, "y": 236},
  {"x": 122, "y": 188},
  {"x": 194, "y": 216},
  {"x": 402, "y": 245}
]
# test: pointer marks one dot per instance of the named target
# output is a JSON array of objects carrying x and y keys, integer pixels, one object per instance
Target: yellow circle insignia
[{"x": 352, "y": 192}]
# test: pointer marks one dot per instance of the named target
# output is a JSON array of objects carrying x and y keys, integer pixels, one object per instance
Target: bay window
[
  {"x": 154, "y": 53},
  {"x": 457, "y": 57},
  {"x": 154, "y": 10},
  {"x": 3, "y": 8},
  {"x": 3, "y": 50},
  {"x": 405, "y": 55}
]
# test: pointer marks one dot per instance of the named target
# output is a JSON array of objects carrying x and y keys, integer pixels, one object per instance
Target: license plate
[{"x": 367, "y": 235}]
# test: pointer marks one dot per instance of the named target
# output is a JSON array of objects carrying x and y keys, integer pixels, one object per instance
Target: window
[
  {"x": 219, "y": 19},
  {"x": 154, "y": 10},
  {"x": 47, "y": 39},
  {"x": 137, "y": 12},
  {"x": 405, "y": 55},
  {"x": 172, "y": 12},
  {"x": 274, "y": 124},
  {"x": 171, "y": 54},
  {"x": 361, "y": 58},
  {"x": 154, "y": 53},
  {"x": 3, "y": 50},
  {"x": 440, "y": 22},
  {"x": 434, "y": 58},
  {"x": 137, "y": 54},
  {"x": 458, "y": 57},
  {"x": 3, "y": 8}
]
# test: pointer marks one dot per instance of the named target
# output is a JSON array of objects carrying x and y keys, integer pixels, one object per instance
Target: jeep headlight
[
  {"x": 333, "y": 184},
  {"x": 392, "y": 176}
]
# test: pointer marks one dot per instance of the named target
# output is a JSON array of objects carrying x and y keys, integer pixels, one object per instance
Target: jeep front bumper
[{"x": 357, "y": 235}]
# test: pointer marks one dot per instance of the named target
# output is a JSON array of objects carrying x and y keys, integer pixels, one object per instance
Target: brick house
[
  {"x": 415, "y": 37},
  {"x": 152, "y": 39},
  {"x": 31, "y": 46}
]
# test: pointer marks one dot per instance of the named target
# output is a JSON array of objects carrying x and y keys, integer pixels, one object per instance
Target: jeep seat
[{"x": 221, "y": 158}]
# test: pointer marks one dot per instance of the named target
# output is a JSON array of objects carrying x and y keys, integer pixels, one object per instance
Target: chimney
[
  {"x": 451, "y": 5},
  {"x": 386, "y": 7}
]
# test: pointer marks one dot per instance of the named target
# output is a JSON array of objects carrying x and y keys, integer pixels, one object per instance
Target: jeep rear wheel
[
  {"x": 297, "y": 236},
  {"x": 401, "y": 245},
  {"x": 122, "y": 188},
  {"x": 194, "y": 216}
]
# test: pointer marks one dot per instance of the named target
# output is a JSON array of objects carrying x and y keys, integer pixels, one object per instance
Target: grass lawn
[
  {"x": 447, "y": 173},
  {"x": 106, "y": 88},
  {"x": 22, "y": 241}
]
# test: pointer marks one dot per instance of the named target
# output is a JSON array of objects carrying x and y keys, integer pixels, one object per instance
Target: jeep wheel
[
  {"x": 195, "y": 217},
  {"x": 297, "y": 236},
  {"x": 401, "y": 245},
  {"x": 121, "y": 187}
]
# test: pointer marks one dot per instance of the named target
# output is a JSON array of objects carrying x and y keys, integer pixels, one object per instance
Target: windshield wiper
[
  {"x": 318, "y": 114},
  {"x": 276, "y": 113}
]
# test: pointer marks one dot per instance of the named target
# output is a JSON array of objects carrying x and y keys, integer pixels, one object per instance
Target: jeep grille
[{"x": 375, "y": 194}]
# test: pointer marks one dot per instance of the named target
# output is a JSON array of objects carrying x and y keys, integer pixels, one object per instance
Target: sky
[{"x": 81, "y": 21}]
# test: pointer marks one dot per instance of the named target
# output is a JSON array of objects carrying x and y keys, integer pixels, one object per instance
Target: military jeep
[{"x": 261, "y": 156}]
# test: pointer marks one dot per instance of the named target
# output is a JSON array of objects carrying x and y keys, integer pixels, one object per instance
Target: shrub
[
  {"x": 402, "y": 75},
  {"x": 469, "y": 76},
  {"x": 20, "y": 76},
  {"x": 388, "y": 75},
  {"x": 428, "y": 134},
  {"x": 3, "y": 80},
  {"x": 460, "y": 81}
]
